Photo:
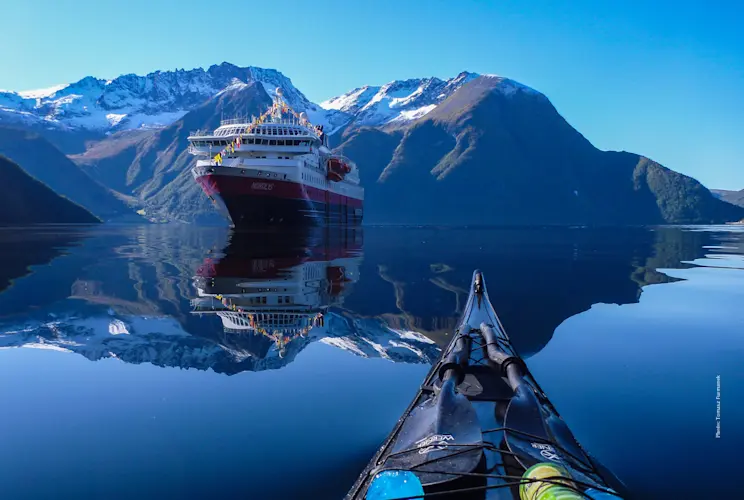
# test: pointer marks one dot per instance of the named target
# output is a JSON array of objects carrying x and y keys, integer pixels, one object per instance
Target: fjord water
[{"x": 130, "y": 369}]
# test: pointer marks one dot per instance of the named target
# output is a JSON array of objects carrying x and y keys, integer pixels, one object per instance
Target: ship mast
[{"x": 279, "y": 105}]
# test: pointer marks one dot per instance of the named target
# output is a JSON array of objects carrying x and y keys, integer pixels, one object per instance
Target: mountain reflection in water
[
  {"x": 257, "y": 303},
  {"x": 231, "y": 302}
]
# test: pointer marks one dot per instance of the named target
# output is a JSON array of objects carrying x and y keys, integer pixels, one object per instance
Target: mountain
[
  {"x": 466, "y": 150},
  {"x": 24, "y": 200},
  {"x": 129, "y": 102},
  {"x": 46, "y": 163},
  {"x": 497, "y": 152},
  {"x": 735, "y": 197}
]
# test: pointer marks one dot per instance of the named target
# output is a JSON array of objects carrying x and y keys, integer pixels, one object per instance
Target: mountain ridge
[
  {"x": 130, "y": 101},
  {"x": 34, "y": 154},
  {"x": 734, "y": 197},
  {"x": 26, "y": 200},
  {"x": 159, "y": 98}
]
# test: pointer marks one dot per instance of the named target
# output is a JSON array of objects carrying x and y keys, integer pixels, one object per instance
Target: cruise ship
[{"x": 276, "y": 170}]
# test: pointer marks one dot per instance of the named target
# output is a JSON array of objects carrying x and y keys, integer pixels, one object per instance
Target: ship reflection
[
  {"x": 275, "y": 293},
  {"x": 273, "y": 288}
]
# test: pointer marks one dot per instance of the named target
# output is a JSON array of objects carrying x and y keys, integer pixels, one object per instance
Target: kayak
[{"x": 481, "y": 427}]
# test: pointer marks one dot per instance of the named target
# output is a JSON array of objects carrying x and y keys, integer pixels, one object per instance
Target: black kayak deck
[{"x": 499, "y": 473}]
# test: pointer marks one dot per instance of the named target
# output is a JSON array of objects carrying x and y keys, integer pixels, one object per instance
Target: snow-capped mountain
[
  {"x": 399, "y": 100},
  {"x": 402, "y": 101},
  {"x": 158, "y": 99},
  {"x": 152, "y": 101}
]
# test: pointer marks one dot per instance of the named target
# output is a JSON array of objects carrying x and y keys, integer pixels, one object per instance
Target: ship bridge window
[
  {"x": 280, "y": 143},
  {"x": 272, "y": 143}
]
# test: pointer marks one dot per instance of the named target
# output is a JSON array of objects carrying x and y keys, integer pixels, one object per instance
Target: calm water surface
[{"x": 174, "y": 362}]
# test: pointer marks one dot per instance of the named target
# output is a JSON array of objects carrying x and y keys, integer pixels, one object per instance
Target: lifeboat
[{"x": 337, "y": 169}]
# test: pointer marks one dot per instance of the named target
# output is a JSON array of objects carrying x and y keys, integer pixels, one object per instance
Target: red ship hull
[{"x": 250, "y": 202}]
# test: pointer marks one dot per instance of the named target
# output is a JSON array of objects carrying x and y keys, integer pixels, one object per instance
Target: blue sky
[{"x": 663, "y": 79}]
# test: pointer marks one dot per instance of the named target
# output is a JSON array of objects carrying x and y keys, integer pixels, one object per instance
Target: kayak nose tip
[{"x": 477, "y": 280}]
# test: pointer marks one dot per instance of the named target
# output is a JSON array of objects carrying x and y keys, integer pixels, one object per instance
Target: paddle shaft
[
  {"x": 457, "y": 360},
  {"x": 512, "y": 367}
]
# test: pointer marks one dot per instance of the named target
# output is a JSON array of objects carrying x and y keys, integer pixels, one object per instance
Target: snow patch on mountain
[
  {"x": 344, "y": 344},
  {"x": 413, "y": 114},
  {"x": 39, "y": 93},
  {"x": 415, "y": 336},
  {"x": 114, "y": 118},
  {"x": 118, "y": 327},
  {"x": 352, "y": 101}
]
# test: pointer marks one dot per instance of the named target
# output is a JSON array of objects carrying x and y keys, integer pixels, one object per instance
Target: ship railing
[
  {"x": 308, "y": 130},
  {"x": 239, "y": 120},
  {"x": 244, "y": 120}
]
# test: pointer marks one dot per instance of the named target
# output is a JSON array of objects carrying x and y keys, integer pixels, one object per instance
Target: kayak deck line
[{"x": 480, "y": 426}]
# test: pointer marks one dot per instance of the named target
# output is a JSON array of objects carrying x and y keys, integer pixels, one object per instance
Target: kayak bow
[{"x": 481, "y": 427}]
